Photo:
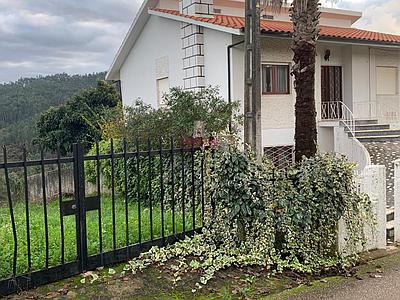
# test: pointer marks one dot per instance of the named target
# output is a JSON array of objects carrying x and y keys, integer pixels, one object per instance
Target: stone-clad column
[
  {"x": 193, "y": 43},
  {"x": 193, "y": 56},
  {"x": 202, "y": 8}
]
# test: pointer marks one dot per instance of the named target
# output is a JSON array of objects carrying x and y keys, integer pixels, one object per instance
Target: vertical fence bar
[
  {"x": 193, "y": 185},
  {"x": 98, "y": 175},
  {"x": 183, "y": 188},
  {"x": 202, "y": 189},
  {"x": 60, "y": 200},
  {"x": 138, "y": 191},
  {"x": 113, "y": 195},
  {"x": 150, "y": 189},
  {"x": 172, "y": 185},
  {"x": 212, "y": 172},
  {"x": 162, "y": 188},
  {"x": 79, "y": 174},
  {"x": 28, "y": 230},
  {"x": 10, "y": 204},
  {"x": 46, "y": 225},
  {"x": 126, "y": 196}
]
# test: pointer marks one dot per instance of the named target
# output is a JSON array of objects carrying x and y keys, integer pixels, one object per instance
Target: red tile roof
[{"x": 270, "y": 26}]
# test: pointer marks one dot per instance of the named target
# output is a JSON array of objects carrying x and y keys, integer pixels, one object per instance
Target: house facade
[{"x": 197, "y": 43}]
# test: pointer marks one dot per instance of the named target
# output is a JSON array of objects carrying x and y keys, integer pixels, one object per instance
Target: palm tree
[{"x": 305, "y": 16}]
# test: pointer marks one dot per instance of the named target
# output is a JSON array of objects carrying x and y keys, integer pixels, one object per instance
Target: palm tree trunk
[{"x": 305, "y": 17}]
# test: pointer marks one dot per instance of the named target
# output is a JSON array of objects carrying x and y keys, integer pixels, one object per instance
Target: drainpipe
[
  {"x": 228, "y": 49},
  {"x": 118, "y": 83}
]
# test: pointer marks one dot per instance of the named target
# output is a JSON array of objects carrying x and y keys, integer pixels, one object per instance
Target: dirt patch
[{"x": 158, "y": 283}]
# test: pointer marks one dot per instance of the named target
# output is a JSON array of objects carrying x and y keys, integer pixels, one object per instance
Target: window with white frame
[
  {"x": 386, "y": 80},
  {"x": 275, "y": 79}
]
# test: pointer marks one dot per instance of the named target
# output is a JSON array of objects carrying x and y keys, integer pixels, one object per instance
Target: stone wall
[{"x": 35, "y": 187}]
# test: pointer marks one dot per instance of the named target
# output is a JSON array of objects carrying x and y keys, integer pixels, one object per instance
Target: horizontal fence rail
[{"x": 146, "y": 194}]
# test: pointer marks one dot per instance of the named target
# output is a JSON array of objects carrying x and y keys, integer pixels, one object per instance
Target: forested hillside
[{"x": 21, "y": 102}]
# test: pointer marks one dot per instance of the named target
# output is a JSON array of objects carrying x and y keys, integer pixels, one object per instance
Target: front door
[{"x": 331, "y": 92}]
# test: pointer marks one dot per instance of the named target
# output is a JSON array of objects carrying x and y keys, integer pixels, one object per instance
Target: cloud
[
  {"x": 41, "y": 37},
  {"x": 378, "y": 15}
]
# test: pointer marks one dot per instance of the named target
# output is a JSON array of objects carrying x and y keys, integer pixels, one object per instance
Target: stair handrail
[{"x": 348, "y": 119}]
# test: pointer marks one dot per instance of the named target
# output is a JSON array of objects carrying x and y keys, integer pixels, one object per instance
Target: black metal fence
[{"x": 150, "y": 196}]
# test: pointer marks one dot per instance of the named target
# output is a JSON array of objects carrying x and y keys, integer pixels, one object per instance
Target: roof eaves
[
  {"x": 341, "y": 40},
  {"x": 134, "y": 31},
  {"x": 185, "y": 19},
  {"x": 361, "y": 42}
]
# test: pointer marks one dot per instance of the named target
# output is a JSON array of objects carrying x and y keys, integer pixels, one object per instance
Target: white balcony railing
[{"x": 337, "y": 110}]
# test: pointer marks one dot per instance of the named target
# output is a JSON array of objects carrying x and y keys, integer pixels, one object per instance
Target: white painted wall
[
  {"x": 372, "y": 181},
  {"x": 216, "y": 60},
  {"x": 367, "y": 103},
  {"x": 277, "y": 118},
  {"x": 160, "y": 38},
  {"x": 361, "y": 78},
  {"x": 326, "y": 139},
  {"x": 351, "y": 147},
  {"x": 335, "y": 59},
  {"x": 347, "y": 76},
  {"x": 388, "y": 106}
]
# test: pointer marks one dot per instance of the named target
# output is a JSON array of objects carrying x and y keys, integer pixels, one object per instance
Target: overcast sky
[{"x": 82, "y": 36}]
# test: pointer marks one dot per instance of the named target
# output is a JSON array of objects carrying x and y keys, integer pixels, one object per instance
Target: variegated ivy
[{"x": 268, "y": 217}]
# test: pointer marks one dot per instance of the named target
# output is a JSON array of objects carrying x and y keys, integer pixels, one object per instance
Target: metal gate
[{"x": 172, "y": 172}]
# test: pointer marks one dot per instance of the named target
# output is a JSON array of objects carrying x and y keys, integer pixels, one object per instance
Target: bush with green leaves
[
  {"x": 147, "y": 125},
  {"x": 177, "y": 117},
  {"x": 260, "y": 216},
  {"x": 145, "y": 172}
]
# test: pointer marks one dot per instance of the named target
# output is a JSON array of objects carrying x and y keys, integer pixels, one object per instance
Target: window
[
  {"x": 275, "y": 79},
  {"x": 386, "y": 80},
  {"x": 162, "y": 88},
  {"x": 281, "y": 156}
]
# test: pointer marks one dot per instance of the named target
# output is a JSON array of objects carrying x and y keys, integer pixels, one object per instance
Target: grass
[{"x": 37, "y": 232}]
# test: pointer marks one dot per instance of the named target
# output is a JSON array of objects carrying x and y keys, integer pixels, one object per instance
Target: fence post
[
  {"x": 372, "y": 182},
  {"x": 374, "y": 185},
  {"x": 397, "y": 200},
  {"x": 79, "y": 183}
]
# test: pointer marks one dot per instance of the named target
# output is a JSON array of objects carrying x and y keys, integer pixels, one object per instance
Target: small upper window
[
  {"x": 162, "y": 89},
  {"x": 386, "y": 80},
  {"x": 275, "y": 79}
]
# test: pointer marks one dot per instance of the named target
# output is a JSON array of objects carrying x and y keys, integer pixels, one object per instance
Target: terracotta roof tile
[{"x": 286, "y": 27}]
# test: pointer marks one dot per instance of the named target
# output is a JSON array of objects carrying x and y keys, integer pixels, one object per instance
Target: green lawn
[{"x": 37, "y": 232}]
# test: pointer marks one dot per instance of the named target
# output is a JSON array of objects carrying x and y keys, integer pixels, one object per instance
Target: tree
[
  {"x": 177, "y": 117},
  {"x": 24, "y": 100},
  {"x": 305, "y": 16},
  {"x": 79, "y": 120}
]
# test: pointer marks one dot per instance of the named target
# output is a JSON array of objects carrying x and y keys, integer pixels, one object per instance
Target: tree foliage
[
  {"x": 177, "y": 117},
  {"x": 22, "y": 102},
  {"x": 144, "y": 126},
  {"x": 79, "y": 120}
]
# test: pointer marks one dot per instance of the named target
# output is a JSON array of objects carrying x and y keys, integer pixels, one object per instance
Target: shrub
[
  {"x": 146, "y": 124},
  {"x": 145, "y": 171},
  {"x": 258, "y": 215}
]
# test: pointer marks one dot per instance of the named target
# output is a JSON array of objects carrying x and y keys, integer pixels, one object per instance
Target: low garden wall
[{"x": 371, "y": 181}]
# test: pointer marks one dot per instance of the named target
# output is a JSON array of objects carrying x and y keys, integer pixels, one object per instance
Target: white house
[{"x": 196, "y": 43}]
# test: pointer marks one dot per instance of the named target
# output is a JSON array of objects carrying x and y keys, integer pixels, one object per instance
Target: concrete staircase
[
  {"x": 383, "y": 145},
  {"x": 369, "y": 131}
]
